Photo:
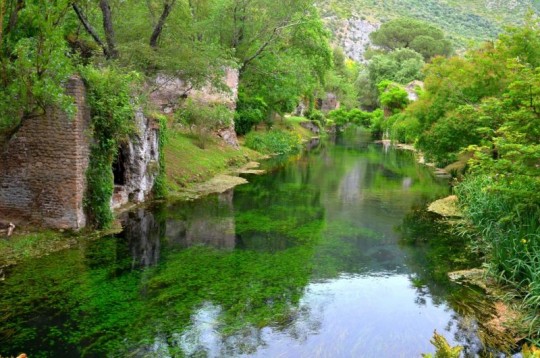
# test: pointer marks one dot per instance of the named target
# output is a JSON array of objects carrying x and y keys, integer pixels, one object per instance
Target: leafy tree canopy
[{"x": 419, "y": 36}]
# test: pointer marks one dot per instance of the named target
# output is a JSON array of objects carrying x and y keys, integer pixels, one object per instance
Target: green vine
[
  {"x": 110, "y": 100},
  {"x": 160, "y": 184}
]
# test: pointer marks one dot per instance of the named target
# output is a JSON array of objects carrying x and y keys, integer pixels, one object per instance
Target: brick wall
[{"x": 42, "y": 167}]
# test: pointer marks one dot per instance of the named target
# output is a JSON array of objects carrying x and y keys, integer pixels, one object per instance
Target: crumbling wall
[{"x": 43, "y": 166}]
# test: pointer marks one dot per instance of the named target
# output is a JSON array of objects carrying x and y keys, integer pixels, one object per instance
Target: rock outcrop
[
  {"x": 413, "y": 88},
  {"x": 137, "y": 164},
  {"x": 329, "y": 103},
  {"x": 353, "y": 35}
]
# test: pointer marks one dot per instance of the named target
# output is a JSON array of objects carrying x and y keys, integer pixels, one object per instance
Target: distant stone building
[{"x": 329, "y": 103}]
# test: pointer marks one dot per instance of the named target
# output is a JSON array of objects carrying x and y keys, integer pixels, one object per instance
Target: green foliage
[
  {"x": 401, "y": 66},
  {"x": 250, "y": 111},
  {"x": 393, "y": 97},
  {"x": 377, "y": 121},
  {"x": 360, "y": 118},
  {"x": 403, "y": 127},
  {"x": 443, "y": 348},
  {"x": 273, "y": 142},
  {"x": 339, "y": 116},
  {"x": 202, "y": 118},
  {"x": 487, "y": 103},
  {"x": 341, "y": 79},
  {"x": 316, "y": 115},
  {"x": 34, "y": 63},
  {"x": 110, "y": 99},
  {"x": 406, "y": 33},
  {"x": 463, "y": 22},
  {"x": 160, "y": 184},
  {"x": 283, "y": 55}
]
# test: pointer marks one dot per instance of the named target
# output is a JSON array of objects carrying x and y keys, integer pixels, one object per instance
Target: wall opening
[{"x": 119, "y": 168}]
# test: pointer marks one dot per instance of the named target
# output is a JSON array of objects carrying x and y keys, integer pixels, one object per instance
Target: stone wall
[{"x": 42, "y": 167}]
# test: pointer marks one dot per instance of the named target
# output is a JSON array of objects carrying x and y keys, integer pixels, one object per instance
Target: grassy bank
[{"x": 188, "y": 164}]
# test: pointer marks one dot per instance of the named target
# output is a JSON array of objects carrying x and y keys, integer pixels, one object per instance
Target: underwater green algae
[{"x": 243, "y": 258}]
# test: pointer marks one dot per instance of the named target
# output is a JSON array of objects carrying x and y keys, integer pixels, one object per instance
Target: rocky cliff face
[
  {"x": 137, "y": 164},
  {"x": 353, "y": 35}
]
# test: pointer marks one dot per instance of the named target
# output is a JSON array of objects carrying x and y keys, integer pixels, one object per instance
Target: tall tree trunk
[
  {"x": 14, "y": 17},
  {"x": 167, "y": 8},
  {"x": 2, "y": 13},
  {"x": 108, "y": 28},
  {"x": 90, "y": 29}
]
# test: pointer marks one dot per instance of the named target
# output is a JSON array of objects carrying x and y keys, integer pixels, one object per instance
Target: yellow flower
[{"x": 523, "y": 241}]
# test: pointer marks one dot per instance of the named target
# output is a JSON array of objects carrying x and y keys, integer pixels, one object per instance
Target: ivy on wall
[{"x": 112, "y": 112}]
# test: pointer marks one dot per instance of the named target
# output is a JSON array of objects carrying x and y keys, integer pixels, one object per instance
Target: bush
[
  {"x": 273, "y": 142},
  {"x": 376, "y": 126},
  {"x": 405, "y": 128},
  {"x": 203, "y": 118},
  {"x": 249, "y": 112},
  {"x": 316, "y": 115},
  {"x": 339, "y": 116},
  {"x": 392, "y": 96},
  {"x": 359, "y": 117}
]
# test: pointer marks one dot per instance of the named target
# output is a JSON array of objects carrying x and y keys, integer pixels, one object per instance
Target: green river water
[{"x": 330, "y": 254}]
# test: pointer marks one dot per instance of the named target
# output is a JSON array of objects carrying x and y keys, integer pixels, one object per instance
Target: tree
[
  {"x": 34, "y": 61},
  {"x": 109, "y": 48},
  {"x": 419, "y": 36},
  {"x": 282, "y": 50},
  {"x": 401, "y": 66}
]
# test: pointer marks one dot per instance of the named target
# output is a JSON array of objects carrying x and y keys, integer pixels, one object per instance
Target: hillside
[{"x": 463, "y": 21}]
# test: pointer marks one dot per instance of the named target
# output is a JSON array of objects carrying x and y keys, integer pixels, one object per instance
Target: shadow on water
[{"x": 304, "y": 261}]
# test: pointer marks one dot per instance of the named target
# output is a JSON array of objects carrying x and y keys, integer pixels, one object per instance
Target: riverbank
[{"x": 191, "y": 172}]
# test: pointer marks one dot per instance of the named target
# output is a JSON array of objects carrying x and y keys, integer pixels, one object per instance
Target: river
[{"x": 329, "y": 254}]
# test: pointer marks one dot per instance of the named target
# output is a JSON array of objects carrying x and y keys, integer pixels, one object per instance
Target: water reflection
[
  {"x": 305, "y": 261},
  {"x": 206, "y": 222},
  {"x": 143, "y": 234}
]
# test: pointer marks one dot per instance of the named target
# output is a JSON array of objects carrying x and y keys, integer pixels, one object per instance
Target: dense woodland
[{"x": 478, "y": 113}]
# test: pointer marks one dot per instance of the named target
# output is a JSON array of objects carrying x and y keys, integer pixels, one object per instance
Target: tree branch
[
  {"x": 108, "y": 27},
  {"x": 167, "y": 8},
  {"x": 91, "y": 31}
]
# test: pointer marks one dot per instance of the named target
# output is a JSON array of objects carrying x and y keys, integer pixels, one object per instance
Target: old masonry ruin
[{"x": 43, "y": 165}]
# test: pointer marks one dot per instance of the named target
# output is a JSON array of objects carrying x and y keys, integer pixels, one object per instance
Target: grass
[
  {"x": 187, "y": 163},
  {"x": 509, "y": 232}
]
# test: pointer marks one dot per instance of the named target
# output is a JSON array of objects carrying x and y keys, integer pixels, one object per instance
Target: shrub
[
  {"x": 204, "y": 118},
  {"x": 376, "y": 126},
  {"x": 249, "y": 112},
  {"x": 316, "y": 115},
  {"x": 273, "y": 142},
  {"x": 339, "y": 116},
  {"x": 359, "y": 117}
]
